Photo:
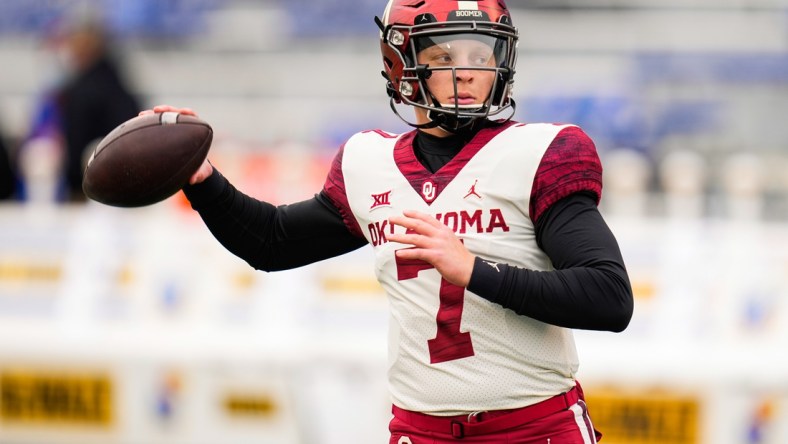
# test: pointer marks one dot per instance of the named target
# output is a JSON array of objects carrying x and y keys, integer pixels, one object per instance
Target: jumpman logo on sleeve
[{"x": 493, "y": 264}]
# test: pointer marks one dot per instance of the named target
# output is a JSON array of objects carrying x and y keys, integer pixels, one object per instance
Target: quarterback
[{"x": 485, "y": 231}]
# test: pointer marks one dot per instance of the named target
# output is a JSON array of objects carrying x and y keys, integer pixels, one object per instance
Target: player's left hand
[{"x": 435, "y": 243}]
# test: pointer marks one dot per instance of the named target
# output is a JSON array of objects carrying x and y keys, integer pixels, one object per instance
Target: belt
[{"x": 475, "y": 424}]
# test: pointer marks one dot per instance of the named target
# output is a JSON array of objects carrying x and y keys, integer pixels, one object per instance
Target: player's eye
[
  {"x": 442, "y": 58},
  {"x": 480, "y": 58}
]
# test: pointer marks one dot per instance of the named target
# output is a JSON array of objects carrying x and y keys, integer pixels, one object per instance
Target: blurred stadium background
[{"x": 135, "y": 326}]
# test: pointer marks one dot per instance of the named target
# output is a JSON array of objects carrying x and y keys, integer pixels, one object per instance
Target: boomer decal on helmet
[{"x": 411, "y": 26}]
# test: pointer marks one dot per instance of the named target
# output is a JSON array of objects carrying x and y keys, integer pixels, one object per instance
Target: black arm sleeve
[
  {"x": 268, "y": 237},
  {"x": 589, "y": 288}
]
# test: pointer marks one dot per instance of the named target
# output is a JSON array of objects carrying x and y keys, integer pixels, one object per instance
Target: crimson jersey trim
[
  {"x": 335, "y": 190},
  {"x": 570, "y": 164},
  {"x": 416, "y": 173}
]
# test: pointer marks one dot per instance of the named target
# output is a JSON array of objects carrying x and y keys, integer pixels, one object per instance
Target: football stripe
[{"x": 169, "y": 118}]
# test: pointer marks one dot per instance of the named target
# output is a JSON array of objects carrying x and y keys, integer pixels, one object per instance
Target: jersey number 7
[{"x": 449, "y": 342}]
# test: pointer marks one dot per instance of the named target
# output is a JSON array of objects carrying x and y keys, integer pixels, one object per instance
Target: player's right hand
[
  {"x": 206, "y": 169},
  {"x": 435, "y": 243},
  {"x": 202, "y": 173}
]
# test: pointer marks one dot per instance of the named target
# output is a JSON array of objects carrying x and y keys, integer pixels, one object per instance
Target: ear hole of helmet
[{"x": 390, "y": 90}]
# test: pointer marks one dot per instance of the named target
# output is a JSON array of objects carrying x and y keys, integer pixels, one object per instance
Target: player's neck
[
  {"x": 437, "y": 132},
  {"x": 465, "y": 132}
]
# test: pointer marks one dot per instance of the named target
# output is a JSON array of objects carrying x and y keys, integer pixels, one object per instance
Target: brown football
[{"x": 146, "y": 159}]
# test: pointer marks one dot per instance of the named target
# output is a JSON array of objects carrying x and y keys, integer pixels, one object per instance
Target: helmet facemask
[{"x": 493, "y": 54}]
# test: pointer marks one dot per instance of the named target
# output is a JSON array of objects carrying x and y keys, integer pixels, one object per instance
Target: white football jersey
[{"x": 451, "y": 351}]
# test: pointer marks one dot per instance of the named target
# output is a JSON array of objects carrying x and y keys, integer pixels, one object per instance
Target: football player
[{"x": 485, "y": 232}]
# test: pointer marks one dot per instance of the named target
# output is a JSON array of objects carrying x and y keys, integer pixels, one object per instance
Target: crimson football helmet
[{"x": 409, "y": 26}]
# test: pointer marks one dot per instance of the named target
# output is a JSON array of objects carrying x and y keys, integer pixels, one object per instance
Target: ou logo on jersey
[{"x": 429, "y": 191}]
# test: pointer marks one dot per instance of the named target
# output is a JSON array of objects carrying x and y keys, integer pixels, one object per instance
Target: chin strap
[
  {"x": 450, "y": 122},
  {"x": 446, "y": 121},
  {"x": 460, "y": 125}
]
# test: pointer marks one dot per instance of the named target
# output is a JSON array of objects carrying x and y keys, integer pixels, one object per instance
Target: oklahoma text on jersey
[{"x": 461, "y": 222}]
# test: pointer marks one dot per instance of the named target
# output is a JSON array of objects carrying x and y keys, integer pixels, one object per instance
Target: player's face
[{"x": 473, "y": 84}]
